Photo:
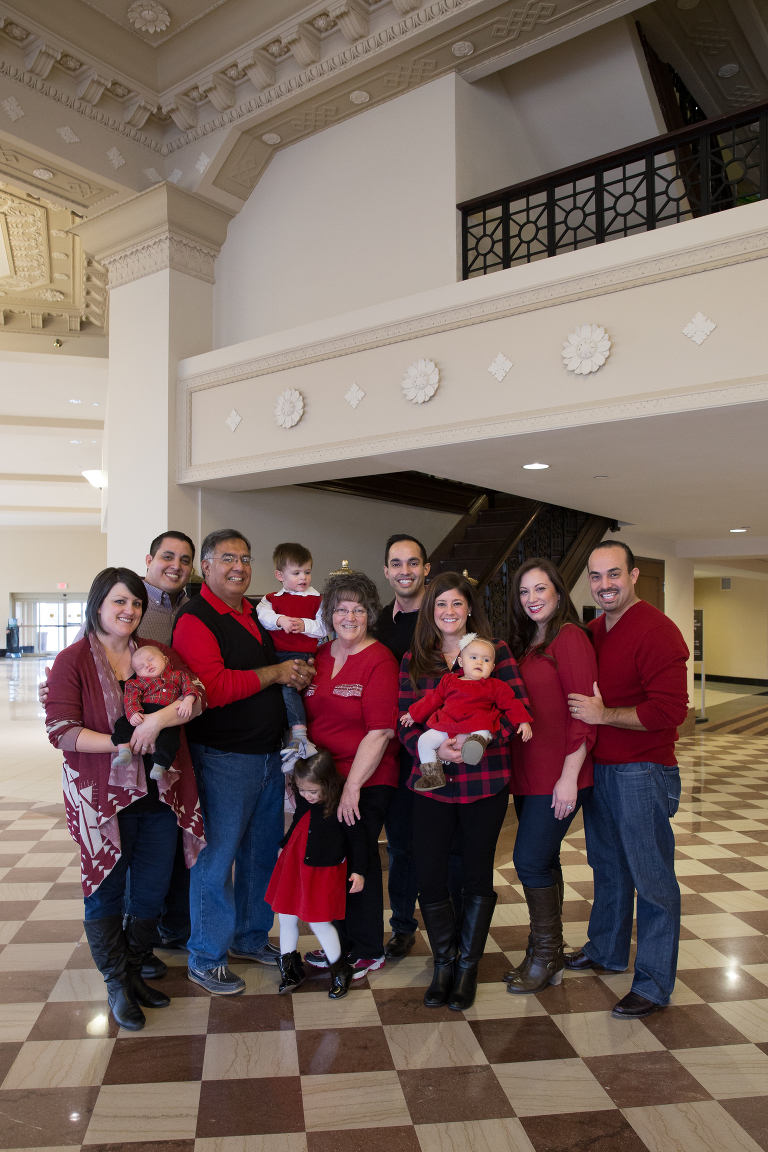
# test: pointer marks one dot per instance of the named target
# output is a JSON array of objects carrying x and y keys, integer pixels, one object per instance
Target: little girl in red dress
[{"x": 309, "y": 880}]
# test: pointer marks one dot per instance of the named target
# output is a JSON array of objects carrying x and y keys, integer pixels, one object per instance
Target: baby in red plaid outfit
[
  {"x": 154, "y": 687},
  {"x": 467, "y": 707}
]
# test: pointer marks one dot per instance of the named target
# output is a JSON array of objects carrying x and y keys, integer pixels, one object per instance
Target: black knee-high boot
[
  {"x": 440, "y": 923},
  {"x": 476, "y": 916},
  {"x": 110, "y": 955}
]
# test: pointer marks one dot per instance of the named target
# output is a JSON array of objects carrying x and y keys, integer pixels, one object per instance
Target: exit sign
[{"x": 62, "y": 587}]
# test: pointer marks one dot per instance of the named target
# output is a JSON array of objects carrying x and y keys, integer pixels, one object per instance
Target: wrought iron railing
[{"x": 709, "y": 167}]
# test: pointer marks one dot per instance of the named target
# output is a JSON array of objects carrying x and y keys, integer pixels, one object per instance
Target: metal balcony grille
[{"x": 709, "y": 167}]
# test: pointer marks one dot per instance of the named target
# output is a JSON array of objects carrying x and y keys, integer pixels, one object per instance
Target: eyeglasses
[
  {"x": 358, "y": 612},
  {"x": 230, "y": 558}
]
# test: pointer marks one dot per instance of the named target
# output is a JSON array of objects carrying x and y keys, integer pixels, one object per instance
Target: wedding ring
[{"x": 569, "y": 807}]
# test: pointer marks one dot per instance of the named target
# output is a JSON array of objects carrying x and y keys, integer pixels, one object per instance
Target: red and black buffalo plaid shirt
[
  {"x": 163, "y": 690},
  {"x": 465, "y": 782}
]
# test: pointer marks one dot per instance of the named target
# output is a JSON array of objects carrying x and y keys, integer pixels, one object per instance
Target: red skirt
[{"x": 315, "y": 895}]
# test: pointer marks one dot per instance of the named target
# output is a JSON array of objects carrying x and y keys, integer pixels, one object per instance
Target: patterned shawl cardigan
[{"x": 83, "y": 692}]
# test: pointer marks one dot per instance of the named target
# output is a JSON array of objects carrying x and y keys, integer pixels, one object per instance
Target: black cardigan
[{"x": 330, "y": 841}]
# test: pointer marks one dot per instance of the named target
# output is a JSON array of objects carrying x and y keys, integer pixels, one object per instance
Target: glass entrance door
[{"x": 46, "y": 625}]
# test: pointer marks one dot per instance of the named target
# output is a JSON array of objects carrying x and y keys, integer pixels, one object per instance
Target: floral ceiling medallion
[
  {"x": 289, "y": 408},
  {"x": 421, "y": 381},
  {"x": 149, "y": 16},
  {"x": 586, "y": 349}
]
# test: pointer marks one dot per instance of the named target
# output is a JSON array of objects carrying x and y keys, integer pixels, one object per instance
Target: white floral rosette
[
  {"x": 421, "y": 381},
  {"x": 586, "y": 349},
  {"x": 289, "y": 408}
]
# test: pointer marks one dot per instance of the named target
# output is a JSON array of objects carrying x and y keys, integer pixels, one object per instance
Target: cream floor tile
[
  {"x": 727, "y": 1071},
  {"x": 184, "y": 1016},
  {"x": 56, "y": 834},
  {"x": 577, "y": 872},
  {"x": 16, "y": 1020},
  {"x": 435, "y": 1045},
  {"x": 34, "y": 957},
  {"x": 759, "y": 971},
  {"x": 551, "y": 1087},
  {"x": 725, "y": 837},
  {"x": 70, "y": 875},
  {"x": 240, "y": 1055},
  {"x": 274, "y": 1142},
  {"x": 705, "y": 852},
  {"x": 700, "y": 1127},
  {"x": 681, "y": 995},
  {"x": 718, "y": 926},
  {"x": 693, "y": 868},
  {"x": 575, "y": 932},
  {"x": 757, "y": 861},
  {"x": 60, "y": 1064},
  {"x": 58, "y": 910},
  {"x": 750, "y": 1017},
  {"x": 259, "y": 981},
  {"x": 756, "y": 881},
  {"x": 353, "y": 1100},
  {"x": 598, "y": 1034},
  {"x": 493, "y": 1002},
  {"x": 734, "y": 901},
  {"x": 77, "y": 984},
  {"x": 44, "y": 822},
  {"x": 743, "y": 825},
  {"x": 506, "y": 915},
  {"x": 14, "y": 847},
  {"x": 474, "y": 1136},
  {"x": 46, "y": 859},
  {"x": 179, "y": 957},
  {"x": 144, "y": 1112},
  {"x": 315, "y": 1010},
  {"x": 8, "y": 929},
  {"x": 410, "y": 972},
  {"x": 22, "y": 892}
]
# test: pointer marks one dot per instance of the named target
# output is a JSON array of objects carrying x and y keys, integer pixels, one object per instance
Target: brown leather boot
[
  {"x": 432, "y": 776},
  {"x": 543, "y": 964},
  {"x": 473, "y": 749}
]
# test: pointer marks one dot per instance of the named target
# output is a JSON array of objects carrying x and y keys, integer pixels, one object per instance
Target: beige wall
[
  {"x": 735, "y": 627},
  {"x": 37, "y": 559}
]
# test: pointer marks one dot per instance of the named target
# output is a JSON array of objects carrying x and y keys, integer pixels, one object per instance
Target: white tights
[
  {"x": 325, "y": 932},
  {"x": 431, "y": 739}
]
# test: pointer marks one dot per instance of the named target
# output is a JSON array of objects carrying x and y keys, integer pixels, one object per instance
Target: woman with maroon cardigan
[
  {"x": 473, "y": 802},
  {"x": 119, "y": 816},
  {"x": 552, "y": 773}
]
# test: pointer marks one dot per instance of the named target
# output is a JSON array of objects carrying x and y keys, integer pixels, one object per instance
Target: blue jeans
[
  {"x": 539, "y": 837},
  {"x": 294, "y": 705},
  {"x": 148, "y": 844},
  {"x": 241, "y": 798},
  {"x": 631, "y": 846}
]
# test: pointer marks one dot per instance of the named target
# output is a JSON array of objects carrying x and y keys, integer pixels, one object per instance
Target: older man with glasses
[{"x": 235, "y": 747}]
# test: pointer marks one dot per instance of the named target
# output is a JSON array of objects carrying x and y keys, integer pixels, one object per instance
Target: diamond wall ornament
[
  {"x": 68, "y": 135},
  {"x": 233, "y": 419},
  {"x": 586, "y": 349},
  {"x": 153, "y": 175},
  {"x": 354, "y": 396},
  {"x": 699, "y": 328},
  {"x": 500, "y": 367},
  {"x": 202, "y": 163},
  {"x": 289, "y": 408},
  {"x": 115, "y": 159},
  {"x": 175, "y": 176},
  {"x": 421, "y": 381},
  {"x": 13, "y": 108}
]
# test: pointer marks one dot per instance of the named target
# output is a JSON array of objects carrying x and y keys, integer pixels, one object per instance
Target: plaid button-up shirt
[
  {"x": 465, "y": 782},
  {"x": 163, "y": 690}
]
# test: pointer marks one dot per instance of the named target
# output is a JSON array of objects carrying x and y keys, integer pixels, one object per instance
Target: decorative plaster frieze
[
  {"x": 586, "y": 349},
  {"x": 168, "y": 250},
  {"x": 289, "y": 408},
  {"x": 421, "y": 381}
]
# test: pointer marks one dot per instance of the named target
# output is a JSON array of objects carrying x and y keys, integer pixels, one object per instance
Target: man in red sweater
[{"x": 640, "y": 700}]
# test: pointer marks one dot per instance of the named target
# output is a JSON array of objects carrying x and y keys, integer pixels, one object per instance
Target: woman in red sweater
[{"x": 552, "y": 772}]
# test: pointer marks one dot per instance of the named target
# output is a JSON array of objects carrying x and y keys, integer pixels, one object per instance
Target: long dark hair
[
  {"x": 102, "y": 585},
  {"x": 320, "y": 769},
  {"x": 523, "y": 629},
  {"x": 427, "y": 647}
]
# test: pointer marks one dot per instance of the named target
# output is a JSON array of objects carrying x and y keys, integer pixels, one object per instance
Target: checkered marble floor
[{"x": 376, "y": 1071}]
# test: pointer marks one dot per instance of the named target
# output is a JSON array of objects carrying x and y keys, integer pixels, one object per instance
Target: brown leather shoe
[
  {"x": 400, "y": 944},
  {"x": 634, "y": 1007},
  {"x": 579, "y": 961}
]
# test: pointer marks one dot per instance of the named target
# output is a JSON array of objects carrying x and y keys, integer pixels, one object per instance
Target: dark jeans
[
  {"x": 166, "y": 744},
  {"x": 361, "y": 932},
  {"x": 435, "y": 824},
  {"x": 402, "y": 884},
  {"x": 539, "y": 836},
  {"x": 631, "y": 846},
  {"x": 294, "y": 705},
  {"x": 147, "y": 842}
]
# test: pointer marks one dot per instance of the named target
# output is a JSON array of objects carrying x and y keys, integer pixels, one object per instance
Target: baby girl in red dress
[{"x": 466, "y": 707}]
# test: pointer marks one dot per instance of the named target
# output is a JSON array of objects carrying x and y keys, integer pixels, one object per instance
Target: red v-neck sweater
[{"x": 641, "y": 663}]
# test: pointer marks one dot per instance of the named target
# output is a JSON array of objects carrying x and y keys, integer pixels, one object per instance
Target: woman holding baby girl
[{"x": 117, "y": 812}]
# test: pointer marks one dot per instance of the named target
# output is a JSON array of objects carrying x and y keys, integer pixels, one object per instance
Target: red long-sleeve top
[
  {"x": 641, "y": 664},
  {"x": 458, "y": 706}
]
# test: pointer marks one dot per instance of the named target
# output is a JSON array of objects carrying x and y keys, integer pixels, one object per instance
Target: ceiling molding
[
  {"x": 84, "y": 509},
  {"x": 39, "y": 478},
  {"x": 51, "y": 422}
]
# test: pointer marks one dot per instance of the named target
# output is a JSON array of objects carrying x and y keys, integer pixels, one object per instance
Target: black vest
[{"x": 255, "y": 724}]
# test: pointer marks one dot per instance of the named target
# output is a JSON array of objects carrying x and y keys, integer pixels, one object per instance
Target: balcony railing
[{"x": 709, "y": 167}]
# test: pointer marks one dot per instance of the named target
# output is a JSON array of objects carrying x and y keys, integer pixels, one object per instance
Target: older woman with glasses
[{"x": 351, "y": 708}]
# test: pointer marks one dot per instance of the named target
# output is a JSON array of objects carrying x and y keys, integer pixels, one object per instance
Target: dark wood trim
[
  {"x": 575, "y": 559},
  {"x": 508, "y": 546},
  {"x": 411, "y": 489}
]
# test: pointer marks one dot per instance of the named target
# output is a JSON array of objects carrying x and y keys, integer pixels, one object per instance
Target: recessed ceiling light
[
  {"x": 75, "y": 441},
  {"x": 94, "y": 476},
  {"x": 95, "y": 404},
  {"x": 75, "y": 401},
  {"x": 737, "y": 529},
  {"x": 533, "y": 467}
]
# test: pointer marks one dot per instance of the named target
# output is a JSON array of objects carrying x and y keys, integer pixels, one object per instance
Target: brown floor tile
[
  {"x": 691, "y": 1026},
  {"x": 69, "y": 891},
  {"x": 757, "y": 920},
  {"x": 584, "y": 888},
  {"x": 697, "y": 905},
  {"x": 491, "y": 968},
  {"x": 512, "y": 938},
  {"x": 250, "y": 1014},
  {"x": 717, "y": 984},
  {"x": 47, "y": 1116},
  {"x": 81, "y": 957},
  {"x": 16, "y": 909},
  {"x": 26, "y": 987},
  {"x": 365, "y": 1140},
  {"x": 32, "y": 876},
  {"x": 685, "y": 934},
  {"x": 712, "y": 883},
  {"x": 146, "y": 1146},
  {"x": 729, "y": 864},
  {"x": 509, "y": 896},
  {"x": 22, "y": 834},
  {"x": 250, "y": 1107},
  {"x": 177, "y": 983},
  {"x": 324, "y": 1051},
  {"x": 8, "y": 1053},
  {"x": 582, "y": 1132},
  {"x": 581, "y": 994},
  {"x": 759, "y": 837},
  {"x": 524, "y": 1038},
  {"x": 48, "y": 932},
  {"x": 752, "y": 1114},
  {"x": 744, "y": 949},
  {"x": 758, "y": 848},
  {"x": 576, "y": 910},
  {"x": 645, "y": 1078},
  {"x": 445, "y": 1095},
  {"x": 156, "y": 1059},
  {"x": 74, "y": 1020},
  {"x": 406, "y": 1006}
]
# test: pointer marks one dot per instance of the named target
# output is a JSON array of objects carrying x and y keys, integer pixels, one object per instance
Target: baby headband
[{"x": 470, "y": 636}]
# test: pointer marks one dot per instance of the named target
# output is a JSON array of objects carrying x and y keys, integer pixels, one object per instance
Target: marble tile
[
  {"x": 406, "y": 1006},
  {"x": 699, "y": 954},
  {"x": 45, "y": 1118},
  {"x": 59, "y": 859},
  {"x": 759, "y": 971},
  {"x": 247, "y": 1055},
  {"x": 410, "y": 972},
  {"x": 454, "y": 1095},
  {"x": 644, "y": 1078},
  {"x": 26, "y": 987},
  {"x": 60, "y": 1064},
  {"x": 22, "y": 892},
  {"x": 8, "y": 929},
  {"x": 493, "y": 1001},
  {"x": 59, "y": 910},
  {"x": 506, "y": 1135},
  {"x": 353, "y": 1100},
  {"x": 147, "y": 1060},
  {"x": 315, "y": 1010},
  {"x": 689, "y": 1127},
  {"x": 752, "y": 1115},
  {"x": 48, "y": 932},
  {"x": 717, "y": 926},
  {"x": 723, "y": 984},
  {"x": 34, "y": 957},
  {"x": 728, "y": 1071},
  {"x": 582, "y": 1131},
  {"x": 127, "y": 1113},
  {"x": 755, "y": 881},
  {"x": 398, "y": 1136},
  {"x": 538, "y": 1088},
  {"x": 599, "y": 1034},
  {"x": 182, "y": 1017},
  {"x": 750, "y": 901},
  {"x": 237, "y": 1108},
  {"x": 750, "y": 1017},
  {"x": 327, "y": 1051},
  {"x": 246, "y": 1013},
  {"x": 282, "y": 1142},
  {"x": 533, "y": 1038},
  {"x": 78, "y": 984},
  {"x": 588, "y": 993},
  {"x": 511, "y": 915},
  {"x": 17, "y": 1020},
  {"x": 433, "y": 1045},
  {"x": 691, "y": 1026}
]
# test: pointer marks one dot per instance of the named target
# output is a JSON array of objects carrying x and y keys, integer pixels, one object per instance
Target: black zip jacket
[{"x": 330, "y": 841}]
